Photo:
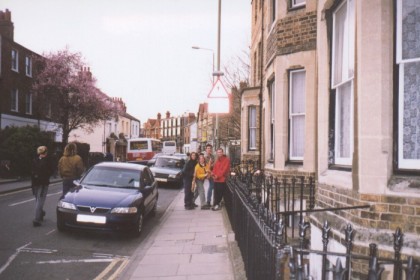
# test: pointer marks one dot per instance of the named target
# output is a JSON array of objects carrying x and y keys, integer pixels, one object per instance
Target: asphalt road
[{"x": 43, "y": 252}]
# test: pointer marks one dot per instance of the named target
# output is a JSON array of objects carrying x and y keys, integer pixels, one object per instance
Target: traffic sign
[{"x": 218, "y": 98}]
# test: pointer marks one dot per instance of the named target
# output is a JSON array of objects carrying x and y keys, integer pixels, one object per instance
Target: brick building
[
  {"x": 334, "y": 94},
  {"x": 18, "y": 106}
]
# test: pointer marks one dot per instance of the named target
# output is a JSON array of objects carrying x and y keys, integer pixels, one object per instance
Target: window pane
[
  {"x": 410, "y": 29},
  {"x": 298, "y": 92},
  {"x": 411, "y": 119},
  {"x": 343, "y": 121},
  {"x": 339, "y": 32},
  {"x": 298, "y": 136},
  {"x": 252, "y": 127}
]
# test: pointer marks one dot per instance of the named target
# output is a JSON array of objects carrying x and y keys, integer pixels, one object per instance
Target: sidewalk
[
  {"x": 188, "y": 245},
  {"x": 10, "y": 185}
]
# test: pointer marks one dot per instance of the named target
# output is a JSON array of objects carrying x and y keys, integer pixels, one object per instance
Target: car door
[{"x": 148, "y": 189}]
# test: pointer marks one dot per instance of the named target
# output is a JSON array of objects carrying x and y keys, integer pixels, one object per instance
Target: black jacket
[
  {"x": 189, "y": 168},
  {"x": 42, "y": 170}
]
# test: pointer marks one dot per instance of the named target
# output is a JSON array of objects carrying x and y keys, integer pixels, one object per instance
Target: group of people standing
[
  {"x": 70, "y": 168},
  {"x": 202, "y": 167}
]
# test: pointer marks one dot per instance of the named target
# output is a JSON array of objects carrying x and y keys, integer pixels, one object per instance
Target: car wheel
[
  {"x": 60, "y": 225},
  {"x": 139, "y": 225}
]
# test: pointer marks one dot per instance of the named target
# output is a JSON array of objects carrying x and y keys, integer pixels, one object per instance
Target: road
[{"x": 28, "y": 252}]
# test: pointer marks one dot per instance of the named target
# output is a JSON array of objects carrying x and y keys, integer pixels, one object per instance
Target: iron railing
[{"x": 264, "y": 210}]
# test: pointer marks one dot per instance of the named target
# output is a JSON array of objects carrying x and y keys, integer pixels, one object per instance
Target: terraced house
[
  {"x": 335, "y": 94},
  {"x": 18, "y": 106}
]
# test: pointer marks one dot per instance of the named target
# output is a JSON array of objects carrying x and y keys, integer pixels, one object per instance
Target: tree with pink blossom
[{"x": 65, "y": 89}]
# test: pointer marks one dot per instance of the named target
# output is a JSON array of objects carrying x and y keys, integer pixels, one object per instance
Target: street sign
[{"x": 218, "y": 98}]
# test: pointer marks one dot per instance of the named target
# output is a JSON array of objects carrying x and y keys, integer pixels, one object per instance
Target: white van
[{"x": 169, "y": 147}]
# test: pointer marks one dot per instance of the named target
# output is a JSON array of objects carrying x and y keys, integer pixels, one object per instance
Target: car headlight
[
  {"x": 66, "y": 205},
  {"x": 124, "y": 210},
  {"x": 173, "y": 176}
]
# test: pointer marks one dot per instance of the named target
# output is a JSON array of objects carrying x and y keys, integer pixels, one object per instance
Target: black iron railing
[{"x": 264, "y": 211}]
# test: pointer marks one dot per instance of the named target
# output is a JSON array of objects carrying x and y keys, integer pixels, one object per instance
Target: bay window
[
  {"x": 408, "y": 63},
  {"x": 343, "y": 49}
]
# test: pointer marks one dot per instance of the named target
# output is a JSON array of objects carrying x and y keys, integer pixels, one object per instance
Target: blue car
[{"x": 111, "y": 196}]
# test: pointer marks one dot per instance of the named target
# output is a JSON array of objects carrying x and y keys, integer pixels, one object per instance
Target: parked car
[
  {"x": 111, "y": 196},
  {"x": 168, "y": 170},
  {"x": 152, "y": 161},
  {"x": 182, "y": 156}
]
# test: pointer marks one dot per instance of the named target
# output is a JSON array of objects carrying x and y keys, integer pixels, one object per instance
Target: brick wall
[
  {"x": 386, "y": 212},
  {"x": 293, "y": 34}
]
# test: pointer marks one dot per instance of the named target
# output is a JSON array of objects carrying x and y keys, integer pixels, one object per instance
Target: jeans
[
  {"x": 40, "y": 196},
  {"x": 219, "y": 191},
  {"x": 67, "y": 185},
  {"x": 210, "y": 190},
  {"x": 199, "y": 192},
  {"x": 188, "y": 194}
]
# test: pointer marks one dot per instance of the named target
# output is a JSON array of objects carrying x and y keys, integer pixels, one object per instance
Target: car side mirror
[{"x": 76, "y": 183}]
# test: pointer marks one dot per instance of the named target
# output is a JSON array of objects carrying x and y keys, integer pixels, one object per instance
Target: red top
[{"x": 221, "y": 169}]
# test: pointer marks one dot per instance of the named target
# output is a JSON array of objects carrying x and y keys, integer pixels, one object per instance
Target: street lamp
[{"x": 206, "y": 49}]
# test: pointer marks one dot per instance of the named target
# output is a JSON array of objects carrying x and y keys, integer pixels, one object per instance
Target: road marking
[
  {"x": 38, "y": 250},
  {"x": 12, "y": 257},
  {"x": 32, "y": 199},
  {"x": 76, "y": 261},
  {"x": 108, "y": 269},
  {"x": 48, "y": 233}
]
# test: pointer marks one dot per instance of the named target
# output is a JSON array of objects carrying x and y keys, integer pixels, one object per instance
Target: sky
[{"x": 139, "y": 50}]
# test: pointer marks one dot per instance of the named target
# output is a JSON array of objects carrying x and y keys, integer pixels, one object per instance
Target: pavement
[{"x": 184, "y": 245}]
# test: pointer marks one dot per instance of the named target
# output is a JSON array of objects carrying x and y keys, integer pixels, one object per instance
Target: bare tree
[{"x": 236, "y": 78}]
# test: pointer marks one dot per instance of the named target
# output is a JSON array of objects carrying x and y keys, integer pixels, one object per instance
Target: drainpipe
[{"x": 261, "y": 84}]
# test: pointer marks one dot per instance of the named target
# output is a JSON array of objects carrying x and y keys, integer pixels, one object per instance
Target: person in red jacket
[{"x": 221, "y": 170}]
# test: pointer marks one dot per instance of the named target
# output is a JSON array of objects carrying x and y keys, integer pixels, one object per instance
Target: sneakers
[
  {"x": 205, "y": 207},
  {"x": 189, "y": 207},
  {"x": 216, "y": 207},
  {"x": 36, "y": 223}
]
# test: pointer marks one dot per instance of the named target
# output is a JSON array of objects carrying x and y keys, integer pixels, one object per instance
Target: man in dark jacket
[{"x": 42, "y": 170}]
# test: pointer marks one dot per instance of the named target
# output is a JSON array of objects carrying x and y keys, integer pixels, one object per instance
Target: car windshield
[
  {"x": 112, "y": 177},
  {"x": 169, "y": 162}
]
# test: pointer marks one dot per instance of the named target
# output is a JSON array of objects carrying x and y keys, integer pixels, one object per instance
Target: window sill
[
  {"x": 404, "y": 184},
  {"x": 338, "y": 178},
  {"x": 296, "y": 8}
]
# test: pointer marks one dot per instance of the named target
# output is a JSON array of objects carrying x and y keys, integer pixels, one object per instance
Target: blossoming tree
[{"x": 65, "y": 90}]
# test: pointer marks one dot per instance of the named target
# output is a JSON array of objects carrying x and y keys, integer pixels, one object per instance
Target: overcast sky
[{"x": 139, "y": 50}]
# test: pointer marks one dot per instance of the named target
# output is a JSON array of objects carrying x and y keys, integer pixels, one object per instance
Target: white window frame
[
  {"x": 15, "y": 60},
  {"x": 28, "y": 66},
  {"x": 14, "y": 100},
  {"x": 273, "y": 11},
  {"x": 295, "y": 3},
  {"x": 293, "y": 115},
  {"x": 252, "y": 128},
  {"x": 272, "y": 100},
  {"x": 403, "y": 163},
  {"x": 28, "y": 104},
  {"x": 346, "y": 77}
]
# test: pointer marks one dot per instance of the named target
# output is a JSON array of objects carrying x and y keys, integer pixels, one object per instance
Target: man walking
[{"x": 220, "y": 173}]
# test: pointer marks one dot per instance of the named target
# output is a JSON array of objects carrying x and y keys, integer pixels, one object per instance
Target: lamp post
[
  {"x": 206, "y": 49},
  {"x": 217, "y": 73}
]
